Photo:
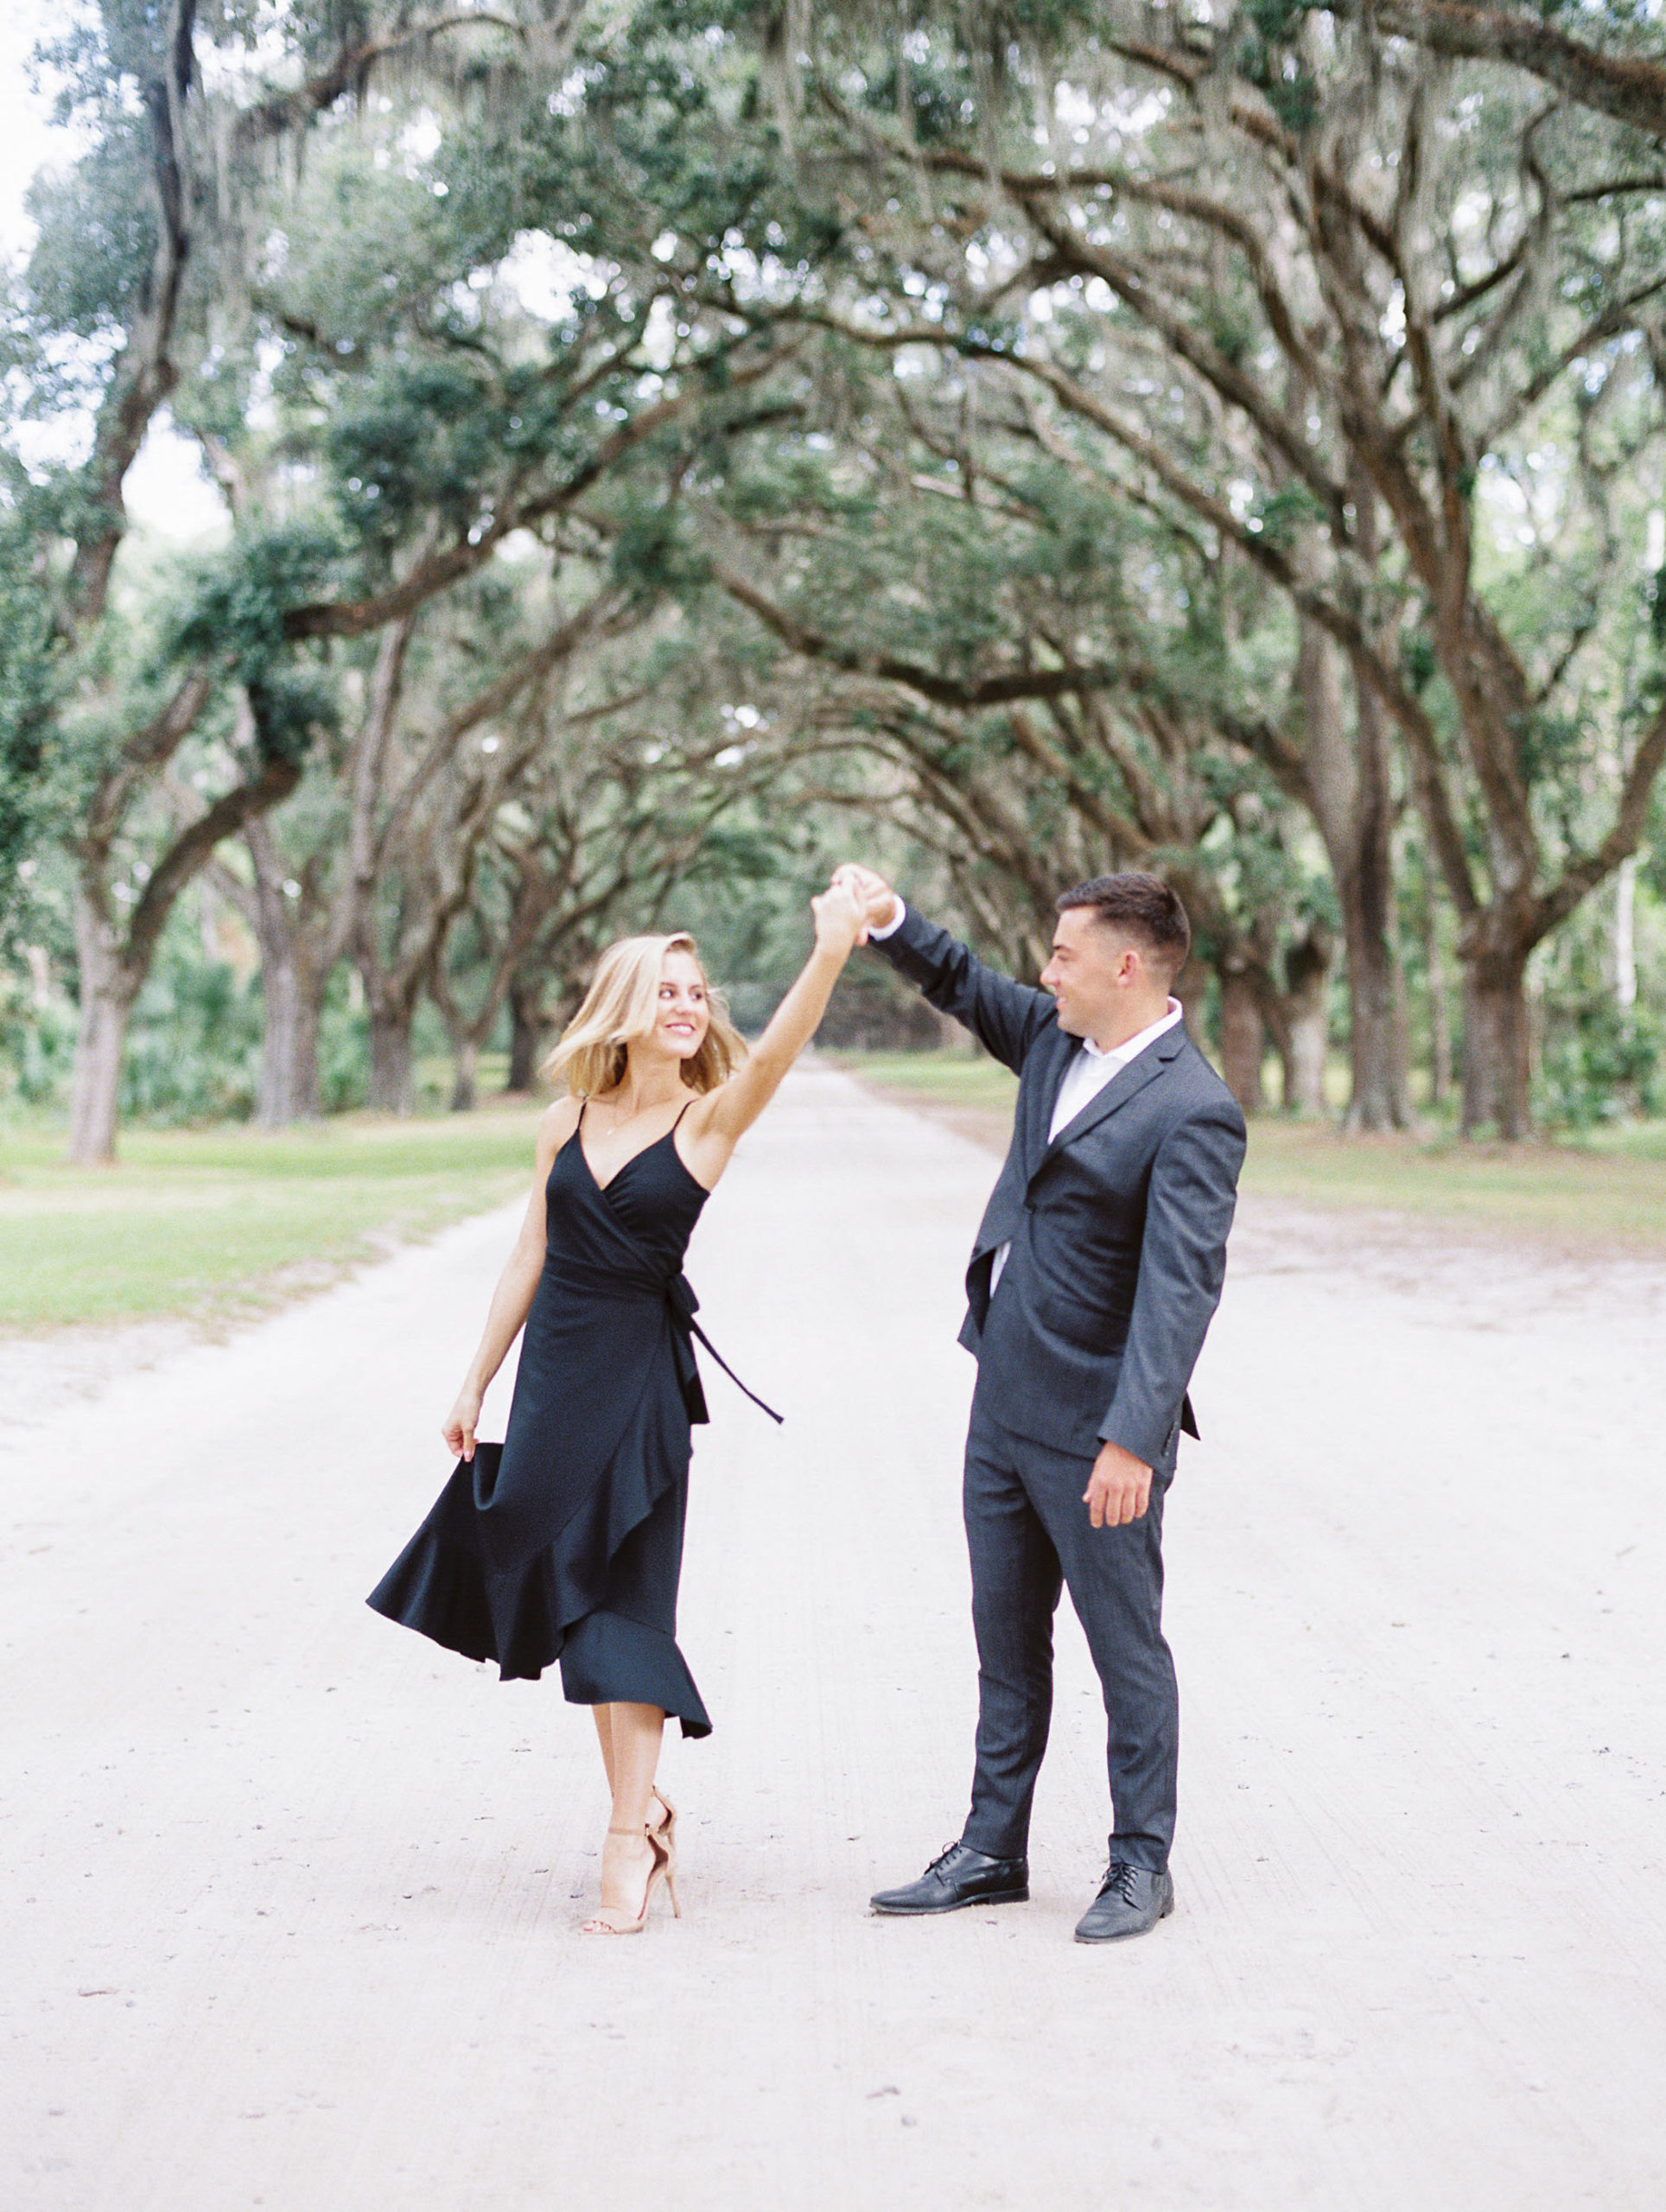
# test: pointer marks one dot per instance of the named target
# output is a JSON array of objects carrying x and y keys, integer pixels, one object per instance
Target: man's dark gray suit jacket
[{"x": 1118, "y": 1225}]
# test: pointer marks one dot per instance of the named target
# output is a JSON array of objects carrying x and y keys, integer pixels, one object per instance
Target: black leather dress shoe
[
  {"x": 960, "y": 1876},
  {"x": 1131, "y": 1901}
]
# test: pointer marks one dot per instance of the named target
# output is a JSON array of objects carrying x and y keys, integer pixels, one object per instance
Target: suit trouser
[{"x": 1028, "y": 1532}]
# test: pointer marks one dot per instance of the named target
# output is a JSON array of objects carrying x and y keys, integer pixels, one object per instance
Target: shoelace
[
  {"x": 1119, "y": 1875},
  {"x": 947, "y": 1851}
]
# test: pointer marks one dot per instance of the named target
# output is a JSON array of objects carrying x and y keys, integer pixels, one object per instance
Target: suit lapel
[
  {"x": 1126, "y": 1084},
  {"x": 1032, "y": 1119},
  {"x": 1038, "y": 1106}
]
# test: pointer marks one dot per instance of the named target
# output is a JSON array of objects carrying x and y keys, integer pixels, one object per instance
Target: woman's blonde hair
[{"x": 622, "y": 1006}]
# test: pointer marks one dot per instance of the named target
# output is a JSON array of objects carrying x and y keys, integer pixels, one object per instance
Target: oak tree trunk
[
  {"x": 108, "y": 990},
  {"x": 1495, "y": 1064},
  {"x": 1379, "y": 1097},
  {"x": 1190, "y": 988},
  {"x": 288, "y": 1087},
  {"x": 526, "y": 1040},
  {"x": 1435, "y": 966},
  {"x": 392, "y": 1089},
  {"x": 293, "y": 991},
  {"x": 1242, "y": 1039},
  {"x": 1304, "y": 1046},
  {"x": 1351, "y": 795},
  {"x": 1380, "y": 1090}
]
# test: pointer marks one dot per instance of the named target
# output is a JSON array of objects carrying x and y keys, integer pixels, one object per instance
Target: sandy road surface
[{"x": 290, "y": 1895}]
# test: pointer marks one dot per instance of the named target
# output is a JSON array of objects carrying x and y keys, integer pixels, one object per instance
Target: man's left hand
[{"x": 1119, "y": 1489}]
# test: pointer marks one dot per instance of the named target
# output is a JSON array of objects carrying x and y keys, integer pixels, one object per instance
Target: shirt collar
[{"x": 1131, "y": 1046}]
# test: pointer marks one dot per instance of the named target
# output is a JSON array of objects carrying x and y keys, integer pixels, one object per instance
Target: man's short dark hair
[{"x": 1140, "y": 906}]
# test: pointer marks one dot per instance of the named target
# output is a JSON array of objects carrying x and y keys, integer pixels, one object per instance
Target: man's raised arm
[{"x": 1005, "y": 1017}]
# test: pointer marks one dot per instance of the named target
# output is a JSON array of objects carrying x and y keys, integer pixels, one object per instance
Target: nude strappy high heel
[
  {"x": 663, "y": 1836},
  {"x": 596, "y": 1925},
  {"x": 663, "y": 1842},
  {"x": 664, "y": 1865},
  {"x": 666, "y": 1829}
]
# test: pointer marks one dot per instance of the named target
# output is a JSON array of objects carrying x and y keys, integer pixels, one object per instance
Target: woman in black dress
[{"x": 563, "y": 1544}]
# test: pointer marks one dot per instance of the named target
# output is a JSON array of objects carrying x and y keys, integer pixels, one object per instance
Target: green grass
[
  {"x": 213, "y": 1224},
  {"x": 207, "y": 1223},
  {"x": 941, "y": 1078},
  {"x": 1608, "y": 1189}
]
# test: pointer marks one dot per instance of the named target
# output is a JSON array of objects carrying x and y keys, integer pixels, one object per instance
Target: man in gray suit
[{"x": 1094, "y": 1273}]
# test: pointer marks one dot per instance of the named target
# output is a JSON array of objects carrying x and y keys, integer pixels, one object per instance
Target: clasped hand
[
  {"x": 841, "y": 920},
  {"x": 877, "y": 900}
]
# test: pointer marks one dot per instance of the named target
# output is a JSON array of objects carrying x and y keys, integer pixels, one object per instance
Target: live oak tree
[
  {"x": 105, "y": 307},
  {"x": 1310, "y": 288},
  {"x": 1615, "y": 66},
  {"x": 390, "y": 815},
  {"x": 421, "y": 426},
  {"x": 1088, "y": 436},
  {"x": 1321, "y": 288},
  {"x": 120, "y": 301},
  {"x": 975, "y": 611},
  {"x": 619, "y": 810},
  {"x": 1044, "y": 670}
]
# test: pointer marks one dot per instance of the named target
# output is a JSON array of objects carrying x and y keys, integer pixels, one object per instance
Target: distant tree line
[{"x": 662, "y": 445}]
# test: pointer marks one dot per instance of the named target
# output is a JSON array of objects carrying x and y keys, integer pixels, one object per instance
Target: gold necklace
[{"x": 623, "y": 1121}]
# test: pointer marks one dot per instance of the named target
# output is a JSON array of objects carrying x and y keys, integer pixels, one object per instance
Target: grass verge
[
  {"x": 216, "y": 1224},
  {"x": 212, "y": 1224},
  {"x": 1608, "y": 1192}
]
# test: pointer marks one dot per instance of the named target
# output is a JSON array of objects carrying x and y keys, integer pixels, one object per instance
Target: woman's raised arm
[{"x": 724, "y": 1115}]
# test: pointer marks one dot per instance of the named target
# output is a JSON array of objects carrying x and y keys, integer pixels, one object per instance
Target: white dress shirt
[{"x": 1084, "y": 1078}]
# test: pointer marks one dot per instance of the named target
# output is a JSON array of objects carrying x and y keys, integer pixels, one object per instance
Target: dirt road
[{"x": 291, "y": 1895}]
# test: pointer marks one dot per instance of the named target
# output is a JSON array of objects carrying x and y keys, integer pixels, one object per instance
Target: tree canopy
[{"x": 660, "y": 444}]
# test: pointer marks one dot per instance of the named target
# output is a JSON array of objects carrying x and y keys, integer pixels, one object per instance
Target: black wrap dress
[{"x": 565, "y": 1542}]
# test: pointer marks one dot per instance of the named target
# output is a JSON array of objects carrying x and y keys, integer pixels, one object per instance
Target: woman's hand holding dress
[
  {"x": 512, "y": 1299},
  {"x": 458, "y": 1428}
]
